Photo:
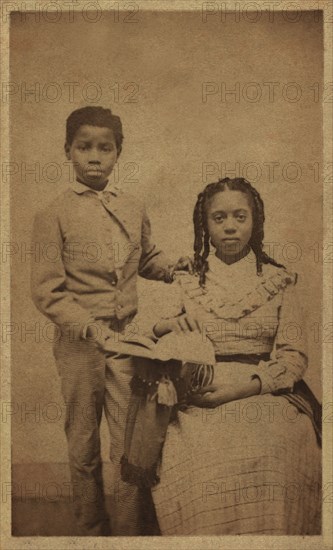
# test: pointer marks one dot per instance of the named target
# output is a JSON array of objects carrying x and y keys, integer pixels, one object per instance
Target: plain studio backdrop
[{"x": 168, "y": 76}]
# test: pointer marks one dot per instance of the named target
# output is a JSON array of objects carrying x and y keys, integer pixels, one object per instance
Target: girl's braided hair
[{"x": 202, "y": 237}]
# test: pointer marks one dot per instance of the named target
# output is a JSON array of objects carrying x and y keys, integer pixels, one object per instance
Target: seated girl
[{"x": 240, "y": 450}]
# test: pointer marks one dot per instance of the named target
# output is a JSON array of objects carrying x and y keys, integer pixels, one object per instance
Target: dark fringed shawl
[{"x": 147, "y": 421}]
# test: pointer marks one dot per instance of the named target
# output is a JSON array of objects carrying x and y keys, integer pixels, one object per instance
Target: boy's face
[{"x": 94, "y": 154}]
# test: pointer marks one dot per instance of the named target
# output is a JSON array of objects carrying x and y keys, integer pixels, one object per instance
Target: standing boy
[{"x": 89, "y": 291}]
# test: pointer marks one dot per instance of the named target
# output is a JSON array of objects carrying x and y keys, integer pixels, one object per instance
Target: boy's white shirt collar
[{"x": 80, "y": 188}]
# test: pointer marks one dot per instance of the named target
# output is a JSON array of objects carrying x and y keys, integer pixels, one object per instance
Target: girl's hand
[
  {"x": 212, "y": 396},
  {"x": 181, "y": 324}
]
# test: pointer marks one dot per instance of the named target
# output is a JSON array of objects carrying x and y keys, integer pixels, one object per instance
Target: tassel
[{"x": 166, "y": 393}]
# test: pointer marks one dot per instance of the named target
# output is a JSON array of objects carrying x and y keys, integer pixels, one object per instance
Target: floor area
[
  {"x": 33, "y": 517},
  {"x": 45, "y": 519}
]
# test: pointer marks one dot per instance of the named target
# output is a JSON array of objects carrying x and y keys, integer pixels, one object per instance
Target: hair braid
[
  {"x": 257, "y": 237},
  {"x": 198, "y": 232},
  {"x": 201, "y": 239},
  {"x": 206, "y": 250}
]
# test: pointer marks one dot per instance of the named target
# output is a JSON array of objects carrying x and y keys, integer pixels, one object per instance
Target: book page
[
  {"x": 187, "y": 347},
  {"x": 140, "y": 340}
]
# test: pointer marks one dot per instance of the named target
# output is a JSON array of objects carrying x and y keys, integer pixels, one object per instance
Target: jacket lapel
[{"x": 119, "y": 208}]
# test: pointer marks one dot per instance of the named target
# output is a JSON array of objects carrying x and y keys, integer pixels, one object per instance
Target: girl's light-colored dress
[{"x": 251, "y": 466}]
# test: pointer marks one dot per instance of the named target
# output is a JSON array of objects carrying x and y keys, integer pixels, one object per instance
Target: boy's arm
[
  {"x": 156, "y": 302},
  {"x": 153, "y": 262},
  {"x": 48, "y": 278}
]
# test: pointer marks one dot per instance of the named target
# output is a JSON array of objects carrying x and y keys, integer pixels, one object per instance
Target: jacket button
[{"x": 113, "y": 278}]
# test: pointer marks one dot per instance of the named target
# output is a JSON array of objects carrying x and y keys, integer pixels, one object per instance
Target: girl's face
[{"x": 230, "y": 223}]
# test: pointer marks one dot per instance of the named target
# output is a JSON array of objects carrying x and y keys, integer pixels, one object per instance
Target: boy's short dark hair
[{"x": 94, "y": 116}]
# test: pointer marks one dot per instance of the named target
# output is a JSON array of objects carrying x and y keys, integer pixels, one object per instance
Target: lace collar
[{"x": 245, "y": 266}]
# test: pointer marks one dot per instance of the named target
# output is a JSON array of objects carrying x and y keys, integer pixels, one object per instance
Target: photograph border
[{"x": 324, "y": 541}]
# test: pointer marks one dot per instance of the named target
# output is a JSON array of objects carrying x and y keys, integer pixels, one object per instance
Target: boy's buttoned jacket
[{"x": 77, "y": 250}]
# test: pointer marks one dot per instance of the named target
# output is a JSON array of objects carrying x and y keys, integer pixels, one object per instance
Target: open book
[{"x": 192, "y": 347}]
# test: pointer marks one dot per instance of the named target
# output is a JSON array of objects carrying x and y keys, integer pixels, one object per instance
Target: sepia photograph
[{"x": 166, "y": 257}]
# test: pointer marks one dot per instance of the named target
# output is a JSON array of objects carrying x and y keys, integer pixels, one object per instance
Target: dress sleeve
[{"x": 288, "y": 361}]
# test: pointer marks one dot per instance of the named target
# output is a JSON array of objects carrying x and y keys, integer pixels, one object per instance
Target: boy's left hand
[
  {"x": 185, "y": 263},
  {"x": 102, "y": 335}
]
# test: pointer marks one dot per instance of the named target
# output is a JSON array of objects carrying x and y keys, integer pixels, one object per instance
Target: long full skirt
[{"x": 251, "y": 466}]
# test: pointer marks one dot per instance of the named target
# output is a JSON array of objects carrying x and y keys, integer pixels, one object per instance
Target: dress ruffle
[{"x": 223, "y": 309}]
